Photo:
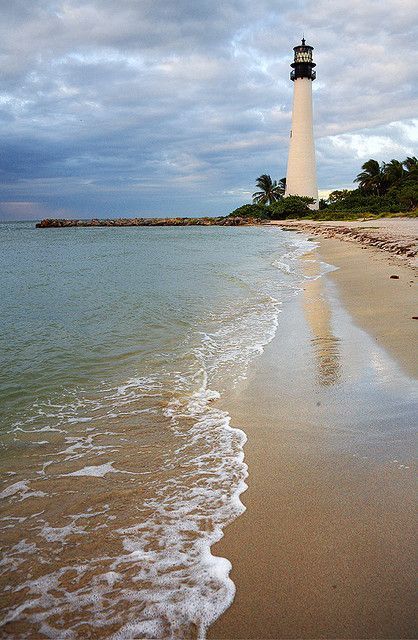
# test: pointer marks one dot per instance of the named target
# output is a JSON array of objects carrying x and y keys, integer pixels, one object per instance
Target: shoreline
[
  {"x": 325, "y": 409},
  {"x": 382, "y": 305},
  {"x": 397, "y": 237},
  {"x": 376, "y": 261},
  {"x": 325, "y": 547}
]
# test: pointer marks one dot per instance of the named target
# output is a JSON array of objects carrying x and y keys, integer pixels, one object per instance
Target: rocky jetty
[{"x": 146, "y": 222}]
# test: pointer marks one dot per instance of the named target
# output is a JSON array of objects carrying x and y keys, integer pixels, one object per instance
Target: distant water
[{"x": 120, "y": 468}]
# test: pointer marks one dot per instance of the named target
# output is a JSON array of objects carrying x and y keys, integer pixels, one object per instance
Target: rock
[
  {"x": 150, "y": 222},
  {"x": 394, "y": 277},
  {"x": 145, "y": 222}
]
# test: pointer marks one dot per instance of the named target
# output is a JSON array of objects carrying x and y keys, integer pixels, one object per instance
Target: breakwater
[{"x": 147, "y": 222}]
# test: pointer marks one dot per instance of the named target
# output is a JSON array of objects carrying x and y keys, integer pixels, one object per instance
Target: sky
[{"x": 152, "y": 108}]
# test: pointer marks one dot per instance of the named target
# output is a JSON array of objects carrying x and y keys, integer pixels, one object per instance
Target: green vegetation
[
  {"x": 250, "y": 211},
  {"x": 290, "y": 207},
  {"x": 386, "y": 189},
  {"x": 366, "y": 215},
  {"x": 390, "y": 187},
  {"x": 270, "y": 190}
]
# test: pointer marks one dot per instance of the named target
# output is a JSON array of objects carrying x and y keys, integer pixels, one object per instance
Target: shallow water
[{"x": 119, "y": 469}]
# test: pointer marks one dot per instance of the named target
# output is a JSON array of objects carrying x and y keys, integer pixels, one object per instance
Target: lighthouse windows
[{"x": 303, "y": 56}]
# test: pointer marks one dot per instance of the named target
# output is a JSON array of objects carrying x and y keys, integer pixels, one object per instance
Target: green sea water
[
  {"x": 85, "y": 306},
  {"x": 120, "y": 469}
]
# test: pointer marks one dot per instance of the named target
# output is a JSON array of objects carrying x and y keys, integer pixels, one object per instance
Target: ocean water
[{"x": 120, "y": 468}]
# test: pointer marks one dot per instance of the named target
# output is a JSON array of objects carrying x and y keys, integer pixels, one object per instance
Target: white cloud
[
  {"x": 187, "y": 99},
  {"x": 365, "y": 146},
  {"x": 408, "y": 130}
]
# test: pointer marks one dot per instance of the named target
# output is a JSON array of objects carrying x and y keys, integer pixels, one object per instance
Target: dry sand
[
  {"x": 395, "y": 236},
  {"x": 395, "y": 227},
  {"x": 326, "y": 546}
]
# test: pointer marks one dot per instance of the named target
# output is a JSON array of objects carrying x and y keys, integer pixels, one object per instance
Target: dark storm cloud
[{"x": 156, "y": 107}]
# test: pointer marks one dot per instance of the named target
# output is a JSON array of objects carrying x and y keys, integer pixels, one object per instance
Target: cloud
[
  {"x": 27, "y": 211},
  {"x": 175, "y": 108}
]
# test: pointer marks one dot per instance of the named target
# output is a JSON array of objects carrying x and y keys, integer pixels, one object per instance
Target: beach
[
  {"x": 205, "y": 441},
  {"x": 325, "y": 548}
]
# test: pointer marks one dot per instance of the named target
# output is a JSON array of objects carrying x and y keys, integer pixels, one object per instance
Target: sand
[
  {"x": 397, "y": 237},
  {"x": 398, "y": 228},
  {"x": 384, "y": 306},
  {"x": 326, "y": 546}
]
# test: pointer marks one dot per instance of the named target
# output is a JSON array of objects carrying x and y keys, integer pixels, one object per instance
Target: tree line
[
  {"x": 390, "y": 187},
  {"x": 386, "y": 186}
]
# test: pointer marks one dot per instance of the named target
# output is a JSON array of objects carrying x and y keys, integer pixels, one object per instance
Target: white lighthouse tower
[{"x": 301, "y": 165}]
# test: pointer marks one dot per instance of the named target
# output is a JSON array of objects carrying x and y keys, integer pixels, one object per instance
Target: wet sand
[
  {"x": 382, "y": 305},
  {"x": 326, "y": 546}
]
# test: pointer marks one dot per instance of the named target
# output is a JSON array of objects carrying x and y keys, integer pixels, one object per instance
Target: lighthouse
[{"x": 301, "y": 165}]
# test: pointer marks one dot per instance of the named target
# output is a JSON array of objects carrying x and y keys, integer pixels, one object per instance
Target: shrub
[
  {"x": 290, "y": 207},
  {"x": 250, "y": 211},
  {"x": 399, "y": 198},
  {"x": 406, "y": 196}
]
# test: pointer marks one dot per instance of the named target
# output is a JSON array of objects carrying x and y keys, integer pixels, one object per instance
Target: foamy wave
[
  {"x": 190, "y": 586},
  {"x": 96, "y": 471},
  {"x": 22, "y": 491}
]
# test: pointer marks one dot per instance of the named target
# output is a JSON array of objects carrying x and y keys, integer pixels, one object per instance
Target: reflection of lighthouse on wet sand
[
  {"x": 301, "y": 166},
  {"x": 326, "y": 346}
]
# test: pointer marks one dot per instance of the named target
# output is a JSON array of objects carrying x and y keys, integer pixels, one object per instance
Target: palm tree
[
  {"x": 281, "y": 187},
  {"x": 393, "y": 172},
  {"x": 371, "y": 179},
  {"x": 269, "y": 192},
  {"x": 410, "y": 163},
  {"x": 411, "y": 166}
]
